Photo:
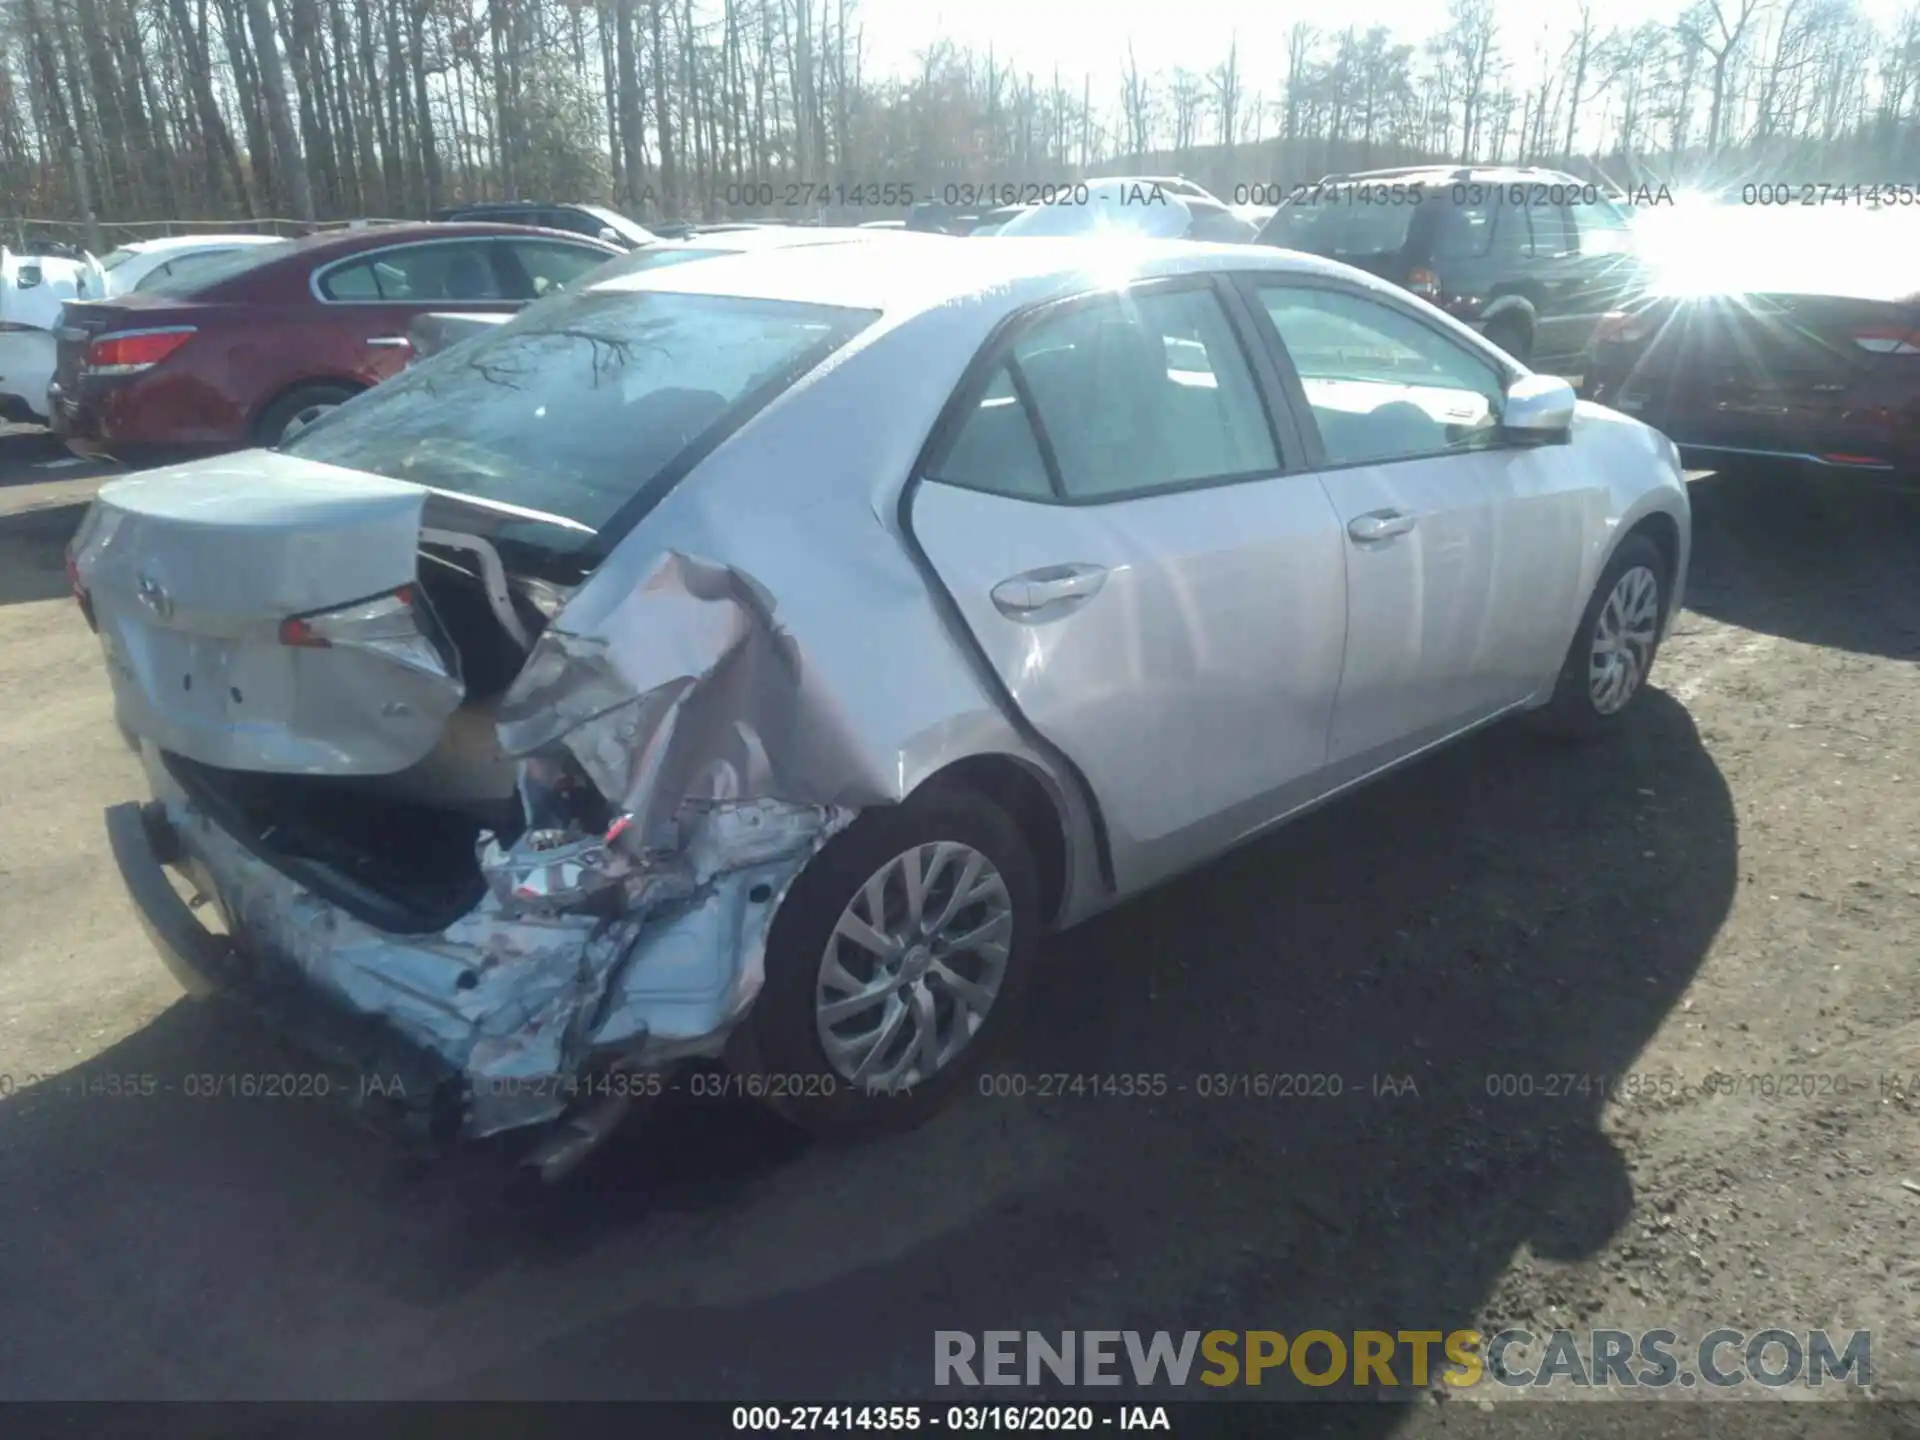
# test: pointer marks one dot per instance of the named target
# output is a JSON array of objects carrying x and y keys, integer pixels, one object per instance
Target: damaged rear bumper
[{"x": 512, "y": 1016}]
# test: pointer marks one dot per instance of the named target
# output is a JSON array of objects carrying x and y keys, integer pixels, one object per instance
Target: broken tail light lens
[
  {"x": 1888, "y": 340},
  {"x": 1424, "y": 283},
  {"x": 397, "y": 624},
  {"x": 130, "y": 351}
]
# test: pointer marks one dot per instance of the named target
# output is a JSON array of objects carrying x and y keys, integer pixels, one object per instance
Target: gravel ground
[{"x": 1733, "y": 890}]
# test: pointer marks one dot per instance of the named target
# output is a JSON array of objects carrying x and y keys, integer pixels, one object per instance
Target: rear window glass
[
  {"x": 575, "y": 405},
  {"x": 208, "y": 270},
  {"x": 1336, "y": 226}
]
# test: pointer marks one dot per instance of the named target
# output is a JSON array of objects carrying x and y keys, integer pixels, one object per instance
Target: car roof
[
  {"x": 377, "y": 237},
  {"x": 162, "y": 243},
  {"x": 902, "y": 272},
  {"x": 761, "y": 237}
]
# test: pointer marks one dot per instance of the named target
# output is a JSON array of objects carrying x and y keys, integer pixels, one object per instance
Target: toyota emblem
[{"x": 154, "y": 596}]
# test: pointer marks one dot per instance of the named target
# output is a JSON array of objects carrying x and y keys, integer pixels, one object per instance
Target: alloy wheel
[
  {"x": 1623, "y": 640},
  {"x": 913, "y": 966}
]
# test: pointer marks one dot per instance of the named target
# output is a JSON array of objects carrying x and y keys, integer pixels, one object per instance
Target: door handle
[
  {"x": 1036, "y": 590},
  {"x": 1380, "y": 525},
  {"x": 390, "y": 342}
]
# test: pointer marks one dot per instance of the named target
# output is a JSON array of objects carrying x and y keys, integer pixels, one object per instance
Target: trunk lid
[{"x": 193, "y": 571}]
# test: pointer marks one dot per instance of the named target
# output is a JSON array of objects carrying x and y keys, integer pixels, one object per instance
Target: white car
[
  {"x": 32, "y": 290},
  {"x": 149, "y": 264}
]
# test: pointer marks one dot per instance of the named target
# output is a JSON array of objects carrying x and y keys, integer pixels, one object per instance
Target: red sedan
[{"x": 241, "y": 349}]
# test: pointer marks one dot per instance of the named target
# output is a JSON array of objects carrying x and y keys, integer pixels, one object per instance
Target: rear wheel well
[
  {"x": 272, "y": 402},
  {"x": 1019, "y": 792}
]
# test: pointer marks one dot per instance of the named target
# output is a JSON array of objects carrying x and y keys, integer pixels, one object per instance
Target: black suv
[
  {"x": 1530, "y": 258},
  {"x": 595, "y": 220}
]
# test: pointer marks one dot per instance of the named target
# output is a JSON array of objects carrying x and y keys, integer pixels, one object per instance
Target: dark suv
[
  {"x": 1530, "y": 258},
  {"x": 593, "y": 220}
]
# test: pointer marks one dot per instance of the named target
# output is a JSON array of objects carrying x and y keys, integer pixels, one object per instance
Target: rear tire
[
  {"x": 814, "y": 964},
  {"x": 297, "y": 409},
  {"x": 1614, "y": 647}
]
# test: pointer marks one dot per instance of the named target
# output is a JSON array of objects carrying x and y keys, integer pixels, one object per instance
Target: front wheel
[
  {"x": 893, "y": 965},
  {"x": 1613, "y": 650}
]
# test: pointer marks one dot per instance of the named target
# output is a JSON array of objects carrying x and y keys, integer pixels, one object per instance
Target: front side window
[
  {"x": 1381, "y": 385},
  {"x": 1143, "y": 392},
  {"x": 574, "y": 406},
  {"x": 418, "y": 274}
]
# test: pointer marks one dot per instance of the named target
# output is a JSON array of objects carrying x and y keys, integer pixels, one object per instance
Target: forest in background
[{"x": 304, "y": 109}]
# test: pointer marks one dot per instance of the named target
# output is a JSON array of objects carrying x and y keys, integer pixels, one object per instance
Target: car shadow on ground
[
  {"x": 1820, "y": 557},
  {"x": 1444, "y": 974}
]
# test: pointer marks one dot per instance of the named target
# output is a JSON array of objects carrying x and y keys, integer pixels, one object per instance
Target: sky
[{"x": 1084, "y": 36}]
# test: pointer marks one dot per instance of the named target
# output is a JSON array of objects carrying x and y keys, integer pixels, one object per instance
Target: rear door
[
  {"x": 1125, "y": 531},
  {"x": 374, "y": 297}
]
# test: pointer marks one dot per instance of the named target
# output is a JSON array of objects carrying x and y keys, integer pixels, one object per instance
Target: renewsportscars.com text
[{"x": 1371, "y": 1359}]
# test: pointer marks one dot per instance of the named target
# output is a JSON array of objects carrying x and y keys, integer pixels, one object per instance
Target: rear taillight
[
  {"x": 131, "y": 351},
  {"x": 388, "y": 616},
  {"x": 399, "y": 625},
  {"x": 1622, "y": 327},
  {"x": 1887, "y": 340},
  {"x": 1424, "y": 283},
  {"x": 80, "y": 596}
]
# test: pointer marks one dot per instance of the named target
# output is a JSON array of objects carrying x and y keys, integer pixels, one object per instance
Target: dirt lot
[{"x": 1733, "y": 890}]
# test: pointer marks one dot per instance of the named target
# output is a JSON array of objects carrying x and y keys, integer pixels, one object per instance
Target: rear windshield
[
  {"x": 575, "y": 405},
  {"x": 114, "y": 259},
  {"x": 1340, "y": 225},
  {"x": 201, "y": 271}
]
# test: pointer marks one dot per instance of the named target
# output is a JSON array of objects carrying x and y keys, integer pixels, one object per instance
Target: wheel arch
[
  {"x": 307, "y": 382},
  {"x": 1030, "y": 802}
]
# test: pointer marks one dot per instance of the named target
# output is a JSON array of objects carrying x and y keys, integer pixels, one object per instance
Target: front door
[{"x": 1462, "y": 551}]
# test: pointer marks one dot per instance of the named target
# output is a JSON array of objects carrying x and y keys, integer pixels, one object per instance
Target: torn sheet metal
[{"x": 690, "y": 690}]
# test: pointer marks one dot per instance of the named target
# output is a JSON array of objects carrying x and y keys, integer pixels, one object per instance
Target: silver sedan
[{"x": 751, "y": 661}]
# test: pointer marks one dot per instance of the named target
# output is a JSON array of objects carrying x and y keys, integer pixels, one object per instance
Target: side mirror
[
  {"x": 610, "y": 235},
  {"x": 1538, "y": 407},
  {"x": 26, "y": 277}
]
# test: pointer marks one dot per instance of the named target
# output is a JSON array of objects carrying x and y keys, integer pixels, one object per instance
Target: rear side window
[
  {"x": 462, "y": 270},
  {"x": 1337, "y": 226},
  {"x": 204, "y": 272},
  {"x": 1145, "y": 392},
  {"x": 996, "y": 450},
  {"x": 575, "y": 405}
]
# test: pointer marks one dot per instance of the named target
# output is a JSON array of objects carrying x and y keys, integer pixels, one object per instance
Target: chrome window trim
[{"x": 360, "y": 256}]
